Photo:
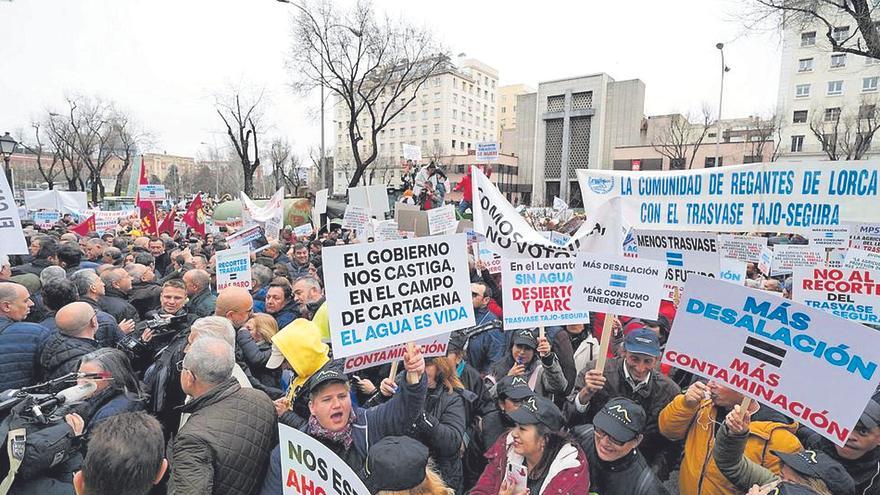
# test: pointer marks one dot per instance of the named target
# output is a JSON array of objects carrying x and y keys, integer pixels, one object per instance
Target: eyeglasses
[
  {"x": 601, "y": 434},
  {"x": 179, "y": 366}
]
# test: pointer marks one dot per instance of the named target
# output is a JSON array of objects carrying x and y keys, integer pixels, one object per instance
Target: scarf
[{"x": 342, "y": 436}]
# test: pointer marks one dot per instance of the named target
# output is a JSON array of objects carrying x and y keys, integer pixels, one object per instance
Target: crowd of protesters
[{"x": 196, "y": 383}]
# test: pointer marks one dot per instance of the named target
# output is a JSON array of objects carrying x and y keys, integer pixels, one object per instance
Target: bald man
[
  {"x": 21, "y": 343},
  {"x": 77, "y": 323},
  {"x": 198, "y": 288},
  {"x": 236, "y": 304}
]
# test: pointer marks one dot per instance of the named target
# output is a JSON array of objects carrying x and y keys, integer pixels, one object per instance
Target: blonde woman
[{"x": 255, "y": 341}]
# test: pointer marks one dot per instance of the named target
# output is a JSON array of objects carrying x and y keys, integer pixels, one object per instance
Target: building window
[
  {"x": 424, "y": 130},
  {"x": 872, "y": 61},
  {"x": 412, "y": 116},
  {"x": 503, "y": 109},
  {"x": 800, "y": 117},
  {"x": 454, "y": 98},
  {"x": 424, "y": 114},
  {"x": 453, "y": 144},
  {"x": 412, "y": 131},
  {"x": 869, "y": 84},
  {"x": 436, "y": 96},
  {"x": 802, "y": 91},
  {"x": 808, "y": 38},
  {"x": 453, "y": 131},
  {"x": 867, "y": 111},
  {"x": 676, "y": 164},
  {"x": 835, "y": 88},
  {"x": 832, "y": 114},
  {"x": 436, "y": 112},
  {"x": 838, "y": 60},
  {"x": 710, "y": 161},
  {"x": 752, "y": 159},
  {"x": 797, "y": 143},
  {"x": 840, "y": 33},
  {"x": 436, "y": 81},
  {"x": 461, "y": 145},
  {"x": 436, "y": 127},
  {"x": 454, "y": 113},
  {"x": 805, "y": 65}
]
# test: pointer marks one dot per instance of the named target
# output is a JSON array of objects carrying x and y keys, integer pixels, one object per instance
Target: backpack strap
[{"x": 15, "y": 442}]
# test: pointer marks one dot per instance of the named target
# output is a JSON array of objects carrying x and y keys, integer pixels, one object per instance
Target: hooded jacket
[
  {"x": 549, "y": 383},
  {"x": 697, "y": 425},
  {"x": 486, "y": 347},
  {"x": 567, "y": 474},
  {"x": 115, "y": 303},
  {"x": 865, "y": 470},
  {"x": 306, "y": 354}
]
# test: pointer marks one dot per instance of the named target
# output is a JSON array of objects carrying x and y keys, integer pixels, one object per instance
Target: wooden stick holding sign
[
  {"x": 411, "y": 376},
  {"x": 744, "y": 407},
  {"x": 676, "y": 296},
  {"x": 540, "y": 333},
  {"x": 605, "y": 342},
  {"x": 393, "y": 374}
]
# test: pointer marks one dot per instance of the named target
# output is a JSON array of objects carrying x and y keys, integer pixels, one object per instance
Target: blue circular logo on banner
[{"x": 601, "y": 185}]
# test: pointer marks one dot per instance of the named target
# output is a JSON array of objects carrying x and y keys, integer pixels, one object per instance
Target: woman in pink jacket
[{"x": 535, "y": 458}]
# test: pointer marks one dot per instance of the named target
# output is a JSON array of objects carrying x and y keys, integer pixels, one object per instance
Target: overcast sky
[{"x": 165, "y": 60}]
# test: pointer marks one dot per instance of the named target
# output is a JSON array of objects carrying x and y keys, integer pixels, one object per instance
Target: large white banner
[
  {"x": 11, "y": 236},
  {"x": 539, "y": 292},
  {"x": 270, "y": 216},
  {"x": 805, "y": 363},
  {"x": 849, "y": 294},
  {"x": 619, "y": 285},
  {"x": 683, "y": 253},
  {"x": 373, "y": 198},
  {"x": 762, "y": 197},
  {"x": 63, "y": 201},
  {"x": 310, "y": 467},
  {"x": 386, "y": 293}
]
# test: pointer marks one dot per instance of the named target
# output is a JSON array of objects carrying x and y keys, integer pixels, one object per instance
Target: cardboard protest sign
[
  {"x": 234, "y": 268},
  {"x": 251, "y": 236},
  {"x": 385, "y": 293},
  {"x": 741, "y": 247},
  {"x": 46, "y": 219},
  {"x": 865, "y": 236},
  {"x": 53, "y": 199},
  {"x": 387, "y": 230},
  {"x": 620, "y": 285},
  {"x": 786, "y": 257},
  {"x": 411, "y": 152},
  {"x": 559, "y": 204},
  {"x": 11, "y": 236},
  {"x": 862, "y": 260},
  {"x": 790, "y": 357},
  {"x": 732, "y": 271},
  {"x": 303, "y": 230},
  {"x": 538, "y": 292},
  {"x": 411, "y": 218},
  {"x": 355, "y": 218},
  {"x": 151, "y": 192},
  {"x": 830, "y": 237},
  {"x": 321, "y": 200},
  {"x": 684, "y": 254},
  {"x": 490, "y": 259},
  {"x": 762, "y": 197},
  {"x": 373, "y": 198},
  {"x": 849, "y": 294},
  {"x": 765, "y": 261},
  {"x": 309, "y": 467},
  {"x": 442, "y": 220},
  {"x": 430, "y": 347},
  {"x": 486, "y": 152}
]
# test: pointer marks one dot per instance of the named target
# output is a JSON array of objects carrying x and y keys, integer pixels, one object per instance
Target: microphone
[
  {"x": 76, "y": 393},
  {"x": 98, "y": 375}
]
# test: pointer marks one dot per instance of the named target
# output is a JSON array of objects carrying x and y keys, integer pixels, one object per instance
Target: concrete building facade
[{"x": 507, "y": 96}]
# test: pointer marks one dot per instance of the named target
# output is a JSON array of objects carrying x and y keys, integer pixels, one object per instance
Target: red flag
[
  {"x": 167, "y": 224},
  {"x": 147, "y": 208},
  {"x": 195, "y": 215},
  {"x": 85, "y": 227}
]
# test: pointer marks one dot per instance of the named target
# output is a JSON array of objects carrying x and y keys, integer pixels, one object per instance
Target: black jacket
[
  {"x": 865, "y": 470},
  {"x": 145, "y": 297},
  {"x": 35, "y": 267},
  {"x": 629, "y": 475},
  {"x": 225, "y": 445},
  {"x": 108, "y": 333},
  {"x": 203, "y": 303},
  {"x": 116, "y": 304},
  {"x": 441, "y": 429},
  {"x": 62, "y": 354}
]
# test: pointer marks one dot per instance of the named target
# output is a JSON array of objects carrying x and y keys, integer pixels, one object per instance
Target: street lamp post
[
  {"x": 7, "y": 146},
  {"x": 724, "y": 68}
]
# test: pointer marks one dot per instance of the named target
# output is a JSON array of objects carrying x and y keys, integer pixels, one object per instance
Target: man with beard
[{"x": 280, "y": 303}]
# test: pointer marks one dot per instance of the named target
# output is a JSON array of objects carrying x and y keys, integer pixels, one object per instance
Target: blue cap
[{"x": 642, "y": 341}]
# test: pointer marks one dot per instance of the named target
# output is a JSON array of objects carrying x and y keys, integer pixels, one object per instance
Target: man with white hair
[
  {"x": 5, "y": 268},
  {"x": 205, "y": 458},
  {"x": 91, "y": 288},
  {"x": 218, "y": 327},
  {"x": 52, "y": 272},
  {"x": 198, "y": 288}
]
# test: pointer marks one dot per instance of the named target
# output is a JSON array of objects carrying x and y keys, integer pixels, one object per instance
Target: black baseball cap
[
  {"x": 538, "y": 410},
  {"x": 526, "y": 336},
  {"x": 642, "y": 341},
  {"x": 786, "y": 488},
  {"x": 818, "y": 464},
  {"x": 621, "y": 418},
  {"x": 395, "y": 464},
  {"x": 871, "y": 417},
  {"x": 325, "y": 375},
  {"x": 513, "y": 387}
]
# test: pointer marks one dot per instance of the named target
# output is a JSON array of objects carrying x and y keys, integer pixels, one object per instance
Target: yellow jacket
[{"x": 696, "y": 425}]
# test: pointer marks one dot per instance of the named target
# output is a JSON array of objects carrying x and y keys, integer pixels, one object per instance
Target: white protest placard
[
  {"x": 559, "y": 204},
  {"x": 251, "y": 237},
  {"x": 442, "y": 220},
  {"x": 303, "y": 230},
  {"x": 741, "y": 247},
  {"x": 411, "y": 152},
  {"x": 765, "y": 261},
  {"x": 321, "y": 200},
  {"x": 46, "y": 219},
  {"x": 53, "y": 199},
  {"x": 310, "y": 467},
  {"x": 387, "y": 230},
  {"x": 849, "y": 294},
  {"x": 830, "y": 237},
  {"x": 732, "y": 271},
  {"x": 763, "y": 197},
  {"x": 385, "y": 293},
  {"x": 11, "y": 236},
  {"x": 865, "y": 236},
  {"x": 787, "y": 356},
  {"x": 620, "y": 285},
  {"x": 486, "y": 152},
  {"x": 355, "y": 218},
  {"x": 787, "y": 257},
  {"x": 151, "y": 192},
  {"x": 430, "y": 347},
  {"x": 861, "y": 259},
  {"x": 490, "y": 259},
  {"x": 684, "y": 253},
  {"x": 373, "y": 198},
  {"x": 539, "y": 292},
  {"x": 234, "y": 268}
]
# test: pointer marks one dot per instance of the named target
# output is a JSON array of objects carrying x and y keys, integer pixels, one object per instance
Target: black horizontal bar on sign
[
  {"x": 773, "y": 361},
  {"x": 765, "y": 346}
]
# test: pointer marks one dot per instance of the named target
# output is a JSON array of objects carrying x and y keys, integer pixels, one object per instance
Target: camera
[{"x": 133, "y": 343}]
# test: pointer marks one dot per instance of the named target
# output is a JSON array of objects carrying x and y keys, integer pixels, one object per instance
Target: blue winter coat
[
  {"x": 20, "y": 347},
  {"x": 487, "y": 347}
]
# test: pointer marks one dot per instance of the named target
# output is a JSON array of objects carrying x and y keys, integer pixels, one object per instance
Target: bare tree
[
  {"x": 129, "y": 138},
  {"x": 762, "y": 133},
  {"x": 47, "y": 157},
  {"x": 60, "y": 135},
  {"x": 242, "y": 116},
  {"x": 679, "y": 140},
  {"x": 315, "y": 159},
  {"x": 374, "y": 67},
  {"x": 864, "y": 40},
  {"x": 279, "y": 153},
  {"x": 846, "y": 134}
]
